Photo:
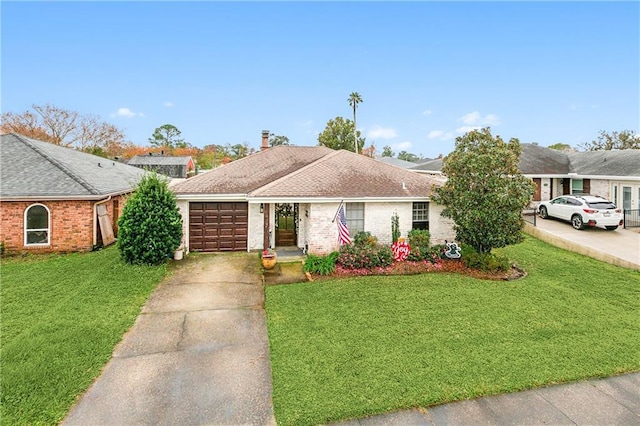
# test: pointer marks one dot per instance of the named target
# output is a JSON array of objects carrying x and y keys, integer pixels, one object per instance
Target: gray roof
[
  {"x": 159, "y": 160},
  {"x": 397, "y": 162},
  {"x": 430, "y": 166},
  {"x": 539, "y": 160},
  {"x": 32, "y": 169},
  {"x": 606, "y": 163},
  {"x": 309, "y": 172}
]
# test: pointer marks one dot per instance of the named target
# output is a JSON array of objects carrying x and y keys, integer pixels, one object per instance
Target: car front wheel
[
  {"x": 576, "y": 221},
  {"x": 543, "y": 212},
  {"x": 612, "y": 228}
]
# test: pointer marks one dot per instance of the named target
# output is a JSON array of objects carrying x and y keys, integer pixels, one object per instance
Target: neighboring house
[
  {"x": 175, "y": 167},
  {"x": 288, "y": 196},
  {"x": 56, "y": 199},
  {"x": 611, "y": 174}
]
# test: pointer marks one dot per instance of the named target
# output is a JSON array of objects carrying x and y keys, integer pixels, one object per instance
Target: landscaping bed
[{"x": 413, "y": 268}]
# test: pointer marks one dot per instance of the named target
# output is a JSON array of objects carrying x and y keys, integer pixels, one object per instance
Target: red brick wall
[{"x": 71, "y": 225}]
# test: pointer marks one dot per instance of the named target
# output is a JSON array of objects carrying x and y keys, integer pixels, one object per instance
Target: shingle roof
[
  {"x": 249, "y": 173},
  {"x": 606, "y": 163},
  {"x": 30, "y": 168},
  {"x": 157, "y": 160},
  {"x": 397, "y": 162},
  {"x": 539, "y": 160},
  {"x": 431, "y": 165},
  {"x": 344, "y": 174},
  {"x": 309, "y": 172}
]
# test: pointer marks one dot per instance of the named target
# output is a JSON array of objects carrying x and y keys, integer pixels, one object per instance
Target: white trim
[
  {"x": 257, "y": 200},
  {"x": 48, "y": 229},
  {"x": 65, "y": 197},
  {"x": 211, "y": 197},
  {"x": 578, "y": 176},
  {"x": 308, "y": 200}
]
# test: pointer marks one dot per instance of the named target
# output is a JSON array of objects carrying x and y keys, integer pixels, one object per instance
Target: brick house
[
  {"x": 287, "y": 196},
  {"x": 57, "y": 199}
]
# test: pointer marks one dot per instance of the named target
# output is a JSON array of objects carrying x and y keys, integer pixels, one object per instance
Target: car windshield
[{"x": 602, "y": 205}]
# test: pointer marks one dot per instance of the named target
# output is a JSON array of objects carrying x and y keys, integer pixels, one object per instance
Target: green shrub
[
  {"x": 395, "y": 227},
  {"x": 419, "y": 240},
  {"x": 487, "y": 262},
  {"x": 364, "y": 257},
  {"x": 438, "y": 250},
  {"x": 363, "y": 238},
  {"x": 321, "y": 265},
  {"x": 150, "y": 227}
]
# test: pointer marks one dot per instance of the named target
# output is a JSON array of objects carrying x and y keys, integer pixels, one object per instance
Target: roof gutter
[{"x": 65, "y": 197}]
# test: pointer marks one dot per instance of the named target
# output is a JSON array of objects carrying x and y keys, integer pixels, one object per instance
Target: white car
[{"x": 583, "y": 210}]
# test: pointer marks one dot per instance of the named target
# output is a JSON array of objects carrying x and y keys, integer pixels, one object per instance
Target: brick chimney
[{"x": 265, "y": 140}]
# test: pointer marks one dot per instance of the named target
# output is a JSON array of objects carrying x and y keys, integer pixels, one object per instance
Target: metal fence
[
  {"x": 632, "y": 219},
  {"x": 529, "y": 215}
]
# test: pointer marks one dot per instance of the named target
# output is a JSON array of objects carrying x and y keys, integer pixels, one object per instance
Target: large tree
[
  {"x": 625, "y": 139},
  {"x": 65, "y": 127},
  {"x": 167, "y": 136},
  {"x": 387, "y": 152},
  {"x": 354, "y": 100},
  {"x": 339, "y": 134},
  {"x": 485, "y": 192},
  {"x": 407, "y": 156}
]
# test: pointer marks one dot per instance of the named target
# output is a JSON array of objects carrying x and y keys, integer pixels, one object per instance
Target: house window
[
  {"x": 37, "y": 224},
  {"x": 355, "y": 218},
  {"x": 420, "y": 216},
  {"x": 576, "y": 186}
]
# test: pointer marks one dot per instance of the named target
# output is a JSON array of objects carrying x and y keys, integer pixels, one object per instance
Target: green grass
[
  {"x": 356, "y": 347},
  {"x": 61, "y": 318}
]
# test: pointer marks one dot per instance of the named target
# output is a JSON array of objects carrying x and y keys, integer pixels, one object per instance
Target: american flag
[{"x": 343, "y": 230}]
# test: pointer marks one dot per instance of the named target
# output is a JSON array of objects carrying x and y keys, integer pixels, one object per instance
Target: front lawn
[
  {"x": 61, "y": 318},
  {"x": 361, "y": 346}
]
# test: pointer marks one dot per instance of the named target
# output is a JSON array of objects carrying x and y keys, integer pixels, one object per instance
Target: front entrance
[{"x": 286, "y": 225}]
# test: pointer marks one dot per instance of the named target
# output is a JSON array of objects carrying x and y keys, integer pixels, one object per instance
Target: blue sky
[{"x": 222, "y": 72}]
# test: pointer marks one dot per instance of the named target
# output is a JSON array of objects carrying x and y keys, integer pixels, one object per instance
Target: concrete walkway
[
  {"x": 611, "y": 401},
  {"x": 198, "y": 353},
  {"x": 620, "y": 247}
]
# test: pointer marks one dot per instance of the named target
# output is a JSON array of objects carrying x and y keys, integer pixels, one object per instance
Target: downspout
[{"x": 95, "y": 220}]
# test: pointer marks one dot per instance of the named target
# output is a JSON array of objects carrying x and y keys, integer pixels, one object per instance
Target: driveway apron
[{"x": 198, "y": 353}]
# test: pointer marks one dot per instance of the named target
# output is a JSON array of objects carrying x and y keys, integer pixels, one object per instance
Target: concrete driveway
[
  {"x": 198, "y": 354},
  {"x": 620, "y": 247}
]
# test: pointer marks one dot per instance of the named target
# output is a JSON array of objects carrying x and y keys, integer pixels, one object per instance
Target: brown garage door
[{"x": 218, "y": 226}]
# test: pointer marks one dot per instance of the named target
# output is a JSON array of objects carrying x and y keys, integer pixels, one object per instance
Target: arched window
[{"x": 37, "y": 224}]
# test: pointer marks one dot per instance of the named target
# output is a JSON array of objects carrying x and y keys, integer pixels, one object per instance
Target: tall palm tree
[{"x": 354, "y": 100}]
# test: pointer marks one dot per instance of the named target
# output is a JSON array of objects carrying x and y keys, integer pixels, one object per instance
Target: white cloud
[
  {"x": 426, "y": 112},
  {"x": 168, "y": 104},
  {"x": 476, "y": 119},
  {"x": 402, "y": 145},
  {"x": 126, "y": 113},
  {"x": 465, "y": 129},
  {"x": 439, "y": 134},
  {"x": 381, "y": 133}
]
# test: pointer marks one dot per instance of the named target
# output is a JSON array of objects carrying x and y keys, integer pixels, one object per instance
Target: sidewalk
[{"x": 610, "y": 401}]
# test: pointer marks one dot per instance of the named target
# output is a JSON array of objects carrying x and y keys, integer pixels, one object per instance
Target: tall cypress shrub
[{"x": 150, "y": 227}]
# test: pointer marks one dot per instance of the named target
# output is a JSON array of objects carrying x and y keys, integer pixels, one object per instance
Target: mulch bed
[{"x": 413, "y": 268}]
